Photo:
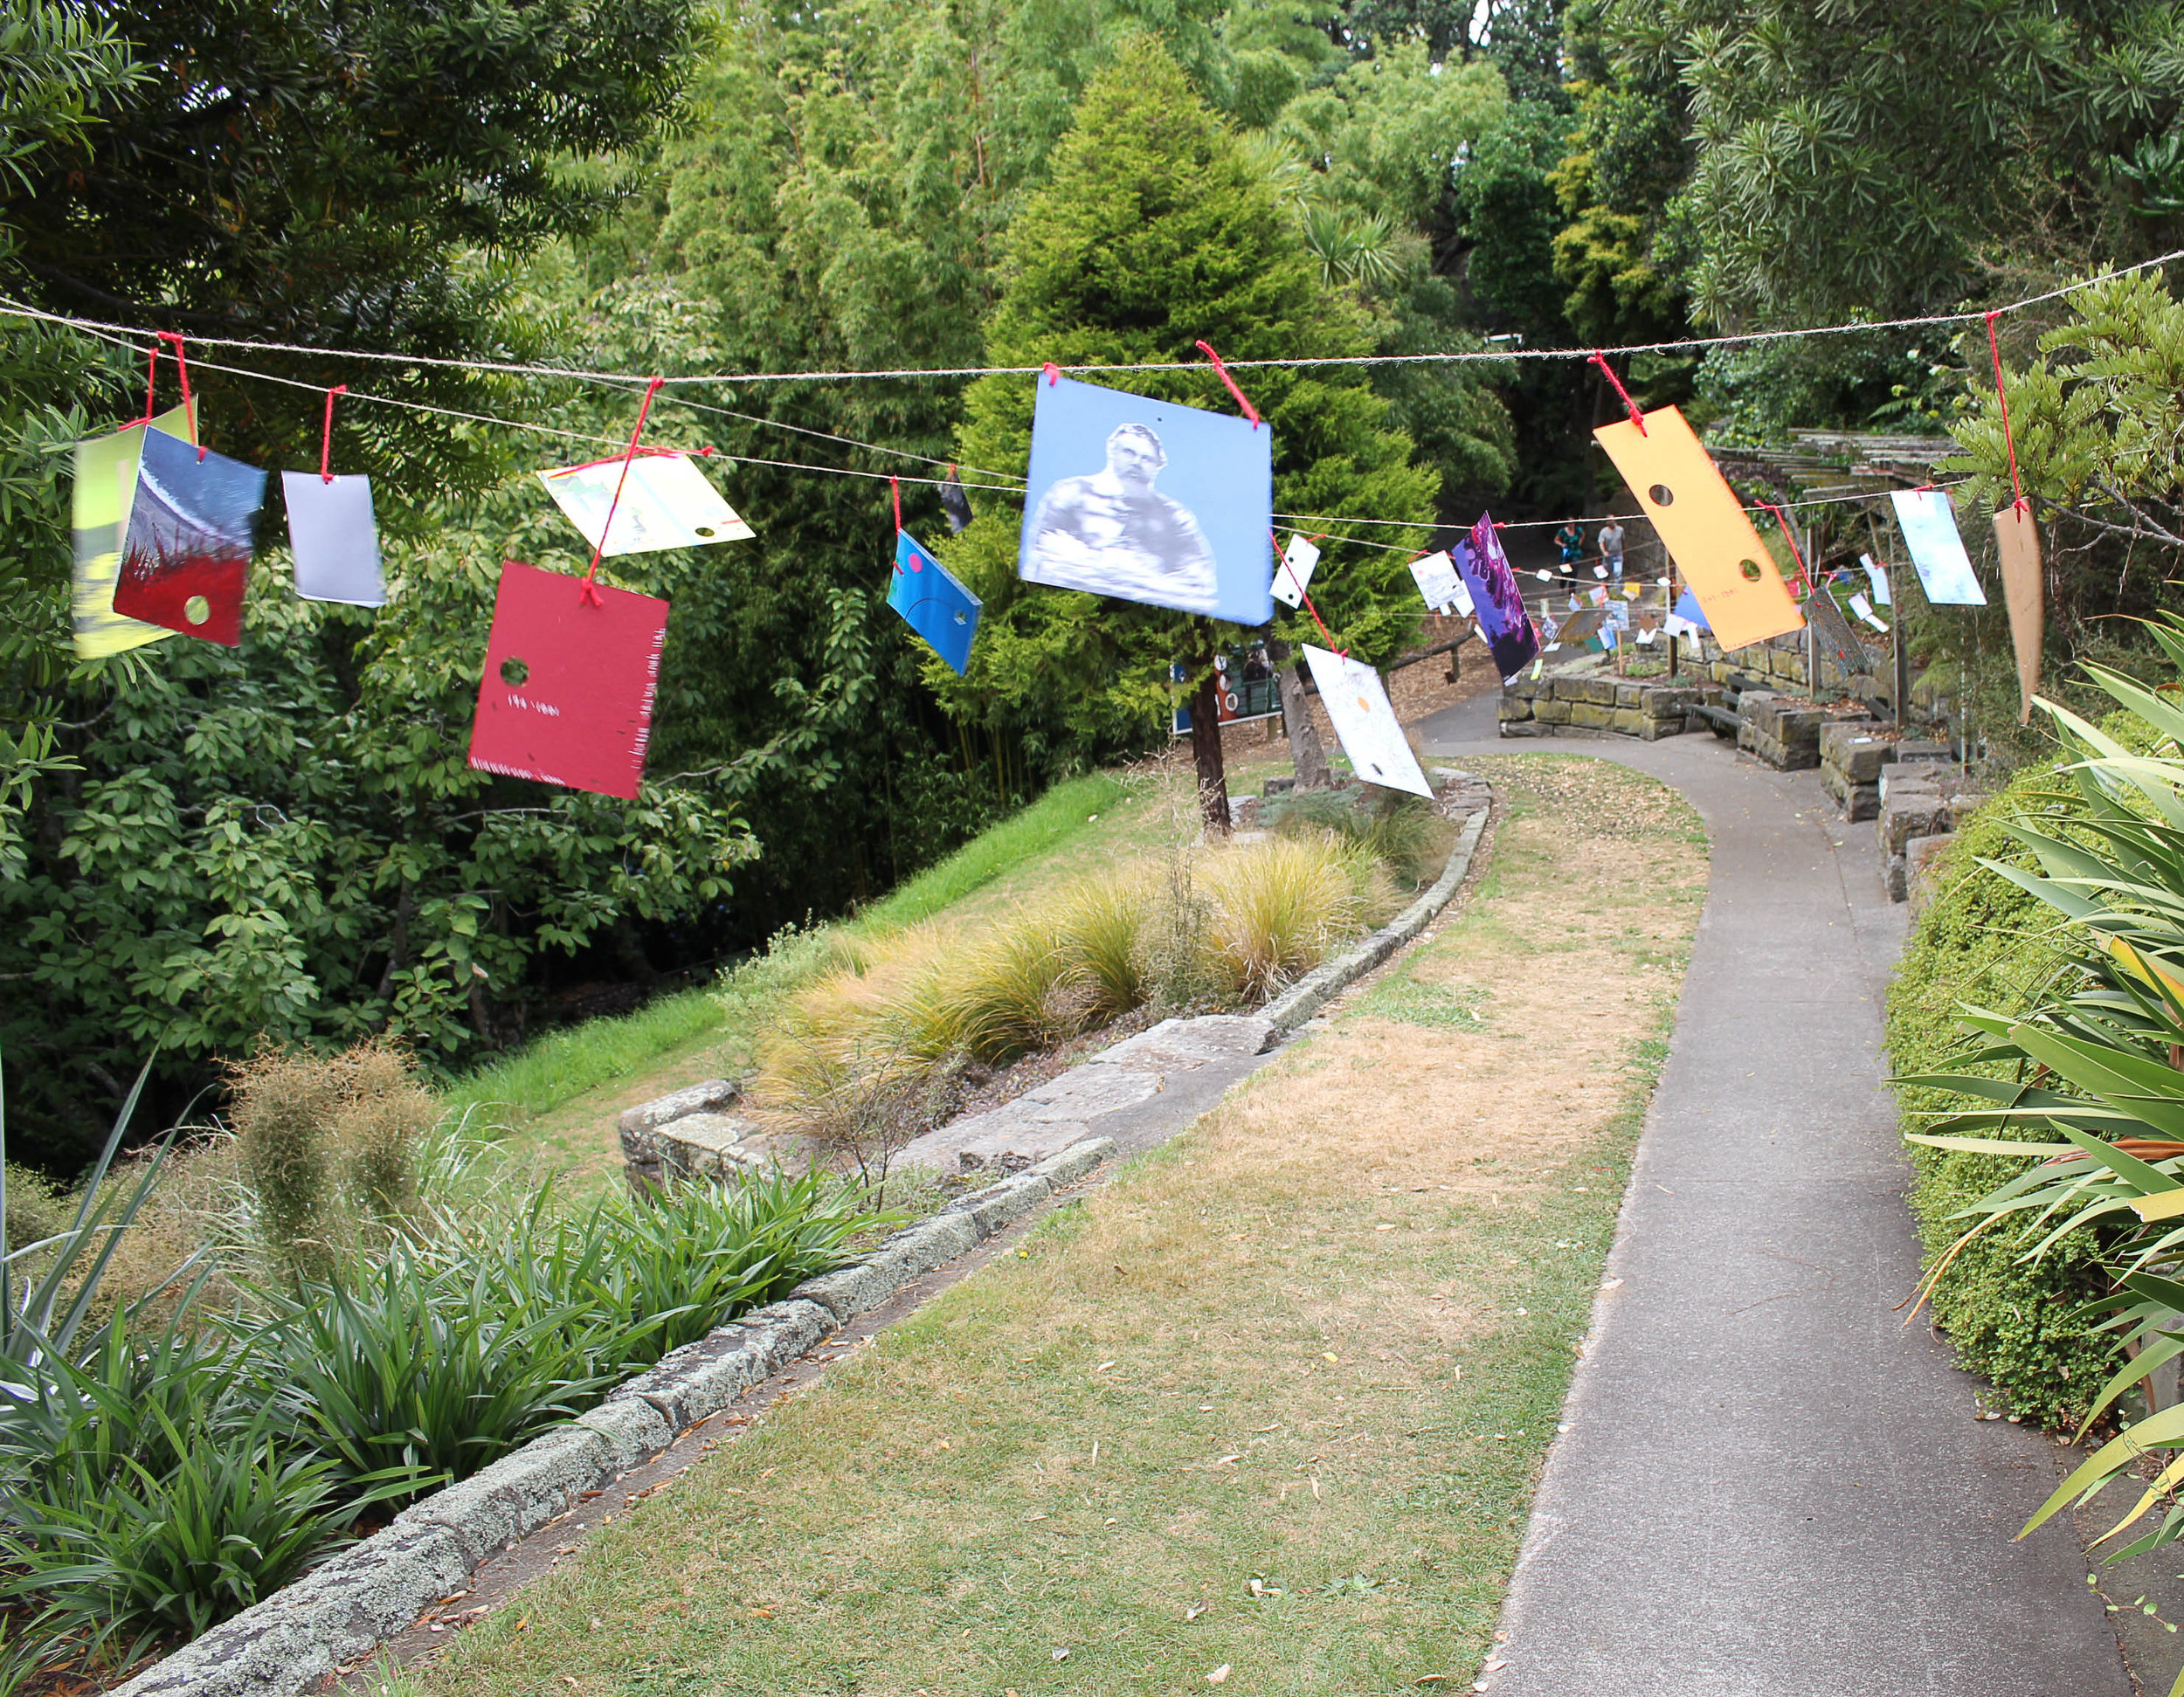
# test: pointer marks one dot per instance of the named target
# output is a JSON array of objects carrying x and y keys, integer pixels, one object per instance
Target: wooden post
[{"x": 1902, "y": 667}]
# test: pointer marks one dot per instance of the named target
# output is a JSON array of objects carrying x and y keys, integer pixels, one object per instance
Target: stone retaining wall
[{"x": 1539, "y": 707}]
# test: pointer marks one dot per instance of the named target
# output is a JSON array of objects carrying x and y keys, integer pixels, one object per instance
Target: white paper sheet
[
  {"x": 1358, "y": 705},
  {"x": 1294, "y": 575},
  {"x": 1439, "y": 582},
  {"x": 333, "y": 538},
  {"x": 1864, "y": 609},
  {"x": 665, "y": 503},
  {"x": 1937, "y": 551},
  {"x": 1877, "y": 578}
]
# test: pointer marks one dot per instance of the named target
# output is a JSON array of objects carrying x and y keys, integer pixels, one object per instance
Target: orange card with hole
[
  {"x": 1706, "y": 529},
  {"x": 2017, "y": 539},
  {"x": 567, "y": 693}
]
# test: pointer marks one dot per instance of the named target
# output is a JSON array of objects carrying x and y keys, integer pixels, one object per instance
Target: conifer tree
[{"x": 1152, "y": 232}]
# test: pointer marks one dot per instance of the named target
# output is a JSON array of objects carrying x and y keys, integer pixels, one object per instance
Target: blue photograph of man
[{"x": 1148, "y": 501}]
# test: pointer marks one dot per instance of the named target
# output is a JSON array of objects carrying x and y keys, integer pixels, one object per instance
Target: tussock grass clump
[
  {"x": 850, "y": 1061},
  {"x": 1403, "y": 832},
  {"x": 327, "y": 1146}
]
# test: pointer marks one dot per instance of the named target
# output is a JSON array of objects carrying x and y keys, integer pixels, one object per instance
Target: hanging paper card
[
  {"x": 954, "y": 501},
  {"x": 1357, "y": 706},
  {"x": 1937, "y": 551},
  {"x": 567, "y": 693},
  {"x": 1877, "y": 578},
  {"x": 1095, "y": 518},
  {"x": 665, "y": 503},
  {"x": 1495, "y": 601},
  {"x": 1838, "y": 642},
  {"x": 98, "y": 516},
  {"x": 2018, "y": 541},
  {"x": 1687, "y": 608},
  {"x": 186, "y": 552},
  {"x": 1864, "y": 609},
  {"x": 1437, "y": 581},
  {"x": 333, "y": 539},
  {"x": 1706, "y": 530},
  {"x": 1579, "y": 627},
  {"x": 1597, "y": 597},
  {"x": 935, "y": 606},
  {"x": 1293, "y": 576}
]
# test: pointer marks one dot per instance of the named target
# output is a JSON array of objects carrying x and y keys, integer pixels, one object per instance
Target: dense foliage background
[{"x": 201, "y": 846}]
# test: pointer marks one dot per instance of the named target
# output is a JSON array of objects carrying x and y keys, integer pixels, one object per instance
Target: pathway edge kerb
[
  {"x": 345, "y": 1606},
  {"x": 1320, "y": 986}
]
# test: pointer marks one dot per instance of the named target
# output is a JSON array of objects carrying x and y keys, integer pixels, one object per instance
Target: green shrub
[{"x": 2015, "y": 1323}]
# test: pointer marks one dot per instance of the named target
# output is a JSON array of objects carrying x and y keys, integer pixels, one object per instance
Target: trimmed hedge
[{"x": 2013, "y": 1320}]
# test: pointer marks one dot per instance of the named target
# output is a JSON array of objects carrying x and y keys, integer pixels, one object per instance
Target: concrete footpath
[{"x": 1766, "y": 1484}]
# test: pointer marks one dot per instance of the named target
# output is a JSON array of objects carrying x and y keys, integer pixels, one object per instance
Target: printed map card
[{"x": 666, "y": 503}]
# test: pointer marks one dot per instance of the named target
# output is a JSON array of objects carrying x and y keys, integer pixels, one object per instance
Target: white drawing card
[
  {"x": 1364, "y": 723},
  {"x": 1438, "y": 582},
  {"x": 1293, "y": 574},
  {"x": 664, "y": 503}
]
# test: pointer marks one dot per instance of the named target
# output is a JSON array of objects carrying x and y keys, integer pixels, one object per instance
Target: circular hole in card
[
  {"x": 962, "y": 618},
  {"x": 196, "y": 609},
  {"x": 513, "y": 672},
  {"x": 703, "y": 530},
  {"x": 1661, "y": 495},
  {"x": 1751, "y": 570}
]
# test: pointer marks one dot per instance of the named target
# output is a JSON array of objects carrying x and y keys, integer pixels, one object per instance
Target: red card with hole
[{"x": 567, "y": 694}]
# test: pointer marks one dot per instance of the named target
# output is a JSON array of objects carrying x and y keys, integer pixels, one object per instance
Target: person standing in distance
[
  {"x": 1570, "y": 542},
  {"x": 1612, "y": 546}
]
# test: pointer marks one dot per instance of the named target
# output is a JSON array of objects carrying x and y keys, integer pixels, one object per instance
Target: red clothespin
[
  {"x": 1629, "y": 406},
  {"x": 188, "y": 407},
  {"x": 1221, "y": 370},
  {"x": 1053, "y": 373},
  {"x": 326, "y": 442},
  {"x": 589, "y": 593}
]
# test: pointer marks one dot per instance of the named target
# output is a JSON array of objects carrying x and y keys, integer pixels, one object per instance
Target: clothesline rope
[
  {"x": 118, "y": 339},
  {"x": 1740, "y": 338}
]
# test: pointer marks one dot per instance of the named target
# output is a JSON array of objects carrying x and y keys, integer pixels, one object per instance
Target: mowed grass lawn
[{"x": 1263, "y": 1414}]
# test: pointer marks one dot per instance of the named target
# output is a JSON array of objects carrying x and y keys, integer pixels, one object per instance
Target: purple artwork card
[{"x": 1496, "y": 600}]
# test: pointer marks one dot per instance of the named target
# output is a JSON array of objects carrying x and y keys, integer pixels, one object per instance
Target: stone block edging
[
  {"x": 371, "y": 1591},
  {"x": 1317, "y": 988}
]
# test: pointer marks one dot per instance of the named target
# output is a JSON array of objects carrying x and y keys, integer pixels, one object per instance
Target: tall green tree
[
  {"x": 1881, "y": 157},
  {"x": 1151, "y": 232}
]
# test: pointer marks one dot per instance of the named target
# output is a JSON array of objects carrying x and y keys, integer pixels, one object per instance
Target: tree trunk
[
  {"x": 1205, "y": 732},
  {"x": 1305, "y": 753}
]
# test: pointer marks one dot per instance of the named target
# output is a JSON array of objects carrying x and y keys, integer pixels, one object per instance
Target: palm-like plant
[{"x": 2098, "y": 1064}]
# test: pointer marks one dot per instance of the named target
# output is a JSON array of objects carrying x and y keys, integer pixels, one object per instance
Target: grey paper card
[{"x": 335, "y": 540}]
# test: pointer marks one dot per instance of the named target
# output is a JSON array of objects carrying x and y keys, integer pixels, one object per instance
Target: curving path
[{"x": 1765, "y": 1484}]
